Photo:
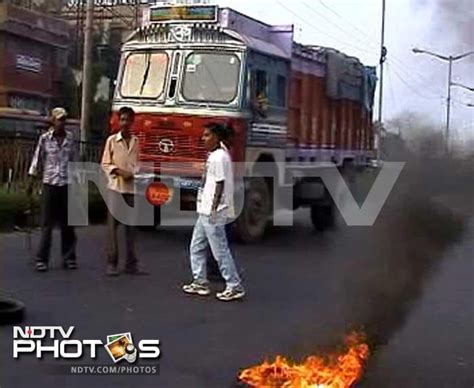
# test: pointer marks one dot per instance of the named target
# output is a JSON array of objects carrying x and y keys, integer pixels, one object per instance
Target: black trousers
[
  {"x": 113, "y": 238},
  {"x": 55, "y": 212}
]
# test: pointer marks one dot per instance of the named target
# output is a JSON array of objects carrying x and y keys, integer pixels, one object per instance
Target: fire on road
[{"x": 337, "y": 370}]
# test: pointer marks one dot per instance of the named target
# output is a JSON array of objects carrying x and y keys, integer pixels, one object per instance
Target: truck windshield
[
  {"x": 144, "y": 74},
  {"x": 211, "y": 77}
]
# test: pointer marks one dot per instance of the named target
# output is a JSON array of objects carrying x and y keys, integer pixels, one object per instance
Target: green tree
[{"x": 70, "y": 93}]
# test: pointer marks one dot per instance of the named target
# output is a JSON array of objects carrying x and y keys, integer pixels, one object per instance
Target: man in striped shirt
[{"x": 55, "y": 149}]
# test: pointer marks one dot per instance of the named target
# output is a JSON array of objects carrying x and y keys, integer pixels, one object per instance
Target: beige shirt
[{"x": 118, "y": 155}]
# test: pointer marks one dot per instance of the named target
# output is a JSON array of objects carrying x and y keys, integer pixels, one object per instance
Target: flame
[{"x": 339, "y": 370}]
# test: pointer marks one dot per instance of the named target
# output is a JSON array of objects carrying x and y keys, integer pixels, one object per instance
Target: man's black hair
[
  {"x": 126, "y": 110},
  {"x": 222, "y": 131}
]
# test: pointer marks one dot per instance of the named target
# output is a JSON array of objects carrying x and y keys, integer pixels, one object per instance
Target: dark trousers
[
  {"x": 112, "y": 238},
  {"x": 55, "y": 212}
]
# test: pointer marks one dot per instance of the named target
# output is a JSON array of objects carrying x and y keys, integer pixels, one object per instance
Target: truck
[{"x": 293, "y": 107}]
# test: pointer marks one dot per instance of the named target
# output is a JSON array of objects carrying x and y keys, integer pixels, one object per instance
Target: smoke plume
[
  {"x": 453, "y": 18},
  {"x": 457, "y": 16},
  {"x": 421, "y": 221}
]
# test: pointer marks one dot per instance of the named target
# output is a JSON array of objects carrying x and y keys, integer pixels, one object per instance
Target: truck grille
[{"x": 177, "y": 151}]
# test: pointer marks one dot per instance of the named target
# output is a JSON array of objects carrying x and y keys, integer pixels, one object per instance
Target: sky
[{"x": 412, "y": 82}]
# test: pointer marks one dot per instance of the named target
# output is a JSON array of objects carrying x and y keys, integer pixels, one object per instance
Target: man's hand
[
  {"x": 127, "y": 175},
  {"x": 123, "y": 173},
  {"x": 216, "y": 201},
  {"x": 213, "y": 217}
]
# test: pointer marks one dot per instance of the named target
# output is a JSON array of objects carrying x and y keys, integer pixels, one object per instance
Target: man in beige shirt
[{"x": 120, "y": 163}]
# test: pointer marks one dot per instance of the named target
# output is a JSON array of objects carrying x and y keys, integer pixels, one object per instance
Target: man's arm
[
  {"x": 218, "y": 172},
  {"x": 37, "y": 161},
  {"x": 108, "y": 165},
  {"x": 35, "y": 166},
  {"x": 107, "y": 162},
  {"x": 217, "y": 196}
]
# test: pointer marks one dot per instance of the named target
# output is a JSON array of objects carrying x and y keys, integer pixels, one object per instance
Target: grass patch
[{"x": 16, "y": 208}]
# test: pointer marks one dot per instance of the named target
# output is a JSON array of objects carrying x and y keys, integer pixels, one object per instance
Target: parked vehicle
[
  {"x": 21, "y": 123},
  {"x": 27, "y": 124}
]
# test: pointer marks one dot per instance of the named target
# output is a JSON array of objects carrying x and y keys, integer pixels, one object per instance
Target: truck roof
[{"x": 277, "y": 40}]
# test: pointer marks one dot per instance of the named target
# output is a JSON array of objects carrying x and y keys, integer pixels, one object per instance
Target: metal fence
[{"x": 16, "y": 155}]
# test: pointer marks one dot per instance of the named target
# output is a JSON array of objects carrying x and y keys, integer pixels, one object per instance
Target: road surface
[{"x": 302, "y": 297}]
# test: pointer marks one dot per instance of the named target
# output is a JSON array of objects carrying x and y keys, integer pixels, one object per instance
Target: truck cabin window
[
  {"x": 259, "y": 93},
  {"x": 144, "y": 75},
  {"x": 211, "y": 77}
]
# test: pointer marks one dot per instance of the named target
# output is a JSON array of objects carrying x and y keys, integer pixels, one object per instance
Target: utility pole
[
  {"x": 86, "y": 72},
  {"x": 450, "y": 59},
  {"x": 383, "y": 58},
  {"x": 448, "y": 110}
]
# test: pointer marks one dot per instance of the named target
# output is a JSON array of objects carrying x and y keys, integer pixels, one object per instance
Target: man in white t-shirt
[
  {"x": 215, "y": 205},
  {"x": 218, "y": 169}
]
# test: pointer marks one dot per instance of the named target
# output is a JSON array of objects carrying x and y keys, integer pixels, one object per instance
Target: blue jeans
[{"x": 214, "y": 235}]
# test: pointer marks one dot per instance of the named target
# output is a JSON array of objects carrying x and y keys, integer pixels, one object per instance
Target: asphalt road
[{"x": 302, "y": 297}]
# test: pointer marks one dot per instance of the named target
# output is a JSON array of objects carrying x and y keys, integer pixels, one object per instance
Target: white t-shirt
[{"x": 218, "y": 169}]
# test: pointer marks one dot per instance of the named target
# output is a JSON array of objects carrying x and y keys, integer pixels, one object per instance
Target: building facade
[{"x": 33, "y": 52}]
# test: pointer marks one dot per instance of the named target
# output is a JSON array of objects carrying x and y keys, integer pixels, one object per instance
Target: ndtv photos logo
[{"x": 58, "y": 341}]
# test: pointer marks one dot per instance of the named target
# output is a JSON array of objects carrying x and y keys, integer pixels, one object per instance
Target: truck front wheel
[{"x": 250, "y": 226}]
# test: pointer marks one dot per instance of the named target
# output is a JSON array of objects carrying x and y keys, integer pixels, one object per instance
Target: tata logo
[{"x": 166, "y": 146}]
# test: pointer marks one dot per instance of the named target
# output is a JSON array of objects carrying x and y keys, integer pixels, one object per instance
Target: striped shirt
[{"x": 53, "y": 158}]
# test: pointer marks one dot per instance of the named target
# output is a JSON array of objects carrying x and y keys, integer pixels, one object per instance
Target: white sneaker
[
  {"x": 230, "y": 294},
  {"x": 196, "y": 288}
]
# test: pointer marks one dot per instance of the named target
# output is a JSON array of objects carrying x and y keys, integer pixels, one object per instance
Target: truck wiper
[{"x": 147, "y": 71}]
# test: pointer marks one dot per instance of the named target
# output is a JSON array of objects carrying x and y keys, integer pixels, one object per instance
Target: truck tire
[
  {"x": 252, "y": 223},
  {"x": 11, "y": 311},
  {"x": 349, "y": 173},
  {"x": 322, "y": 217}
]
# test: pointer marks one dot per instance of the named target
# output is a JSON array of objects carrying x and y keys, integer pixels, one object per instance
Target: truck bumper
[{"x": 186, "y": 187}]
